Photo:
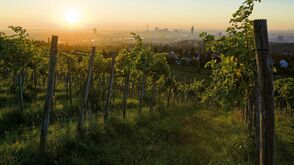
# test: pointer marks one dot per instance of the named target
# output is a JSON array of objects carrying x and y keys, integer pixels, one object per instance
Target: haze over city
[{"x": 135, "y": 14}]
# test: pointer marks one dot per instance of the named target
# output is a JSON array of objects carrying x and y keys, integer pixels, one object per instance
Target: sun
[{"x": 72, "y": 16}]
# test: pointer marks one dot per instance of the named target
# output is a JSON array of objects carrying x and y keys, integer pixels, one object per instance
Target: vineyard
[{"x": 73, "y": 104}]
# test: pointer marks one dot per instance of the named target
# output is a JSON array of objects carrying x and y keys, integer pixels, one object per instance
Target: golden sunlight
[{"x": 72, "y": 16}]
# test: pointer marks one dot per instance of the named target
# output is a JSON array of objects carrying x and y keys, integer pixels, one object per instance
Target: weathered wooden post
[
  {"x": 126, "y": 92},
  {"x": 69, "y": 83},
  {"x": 169, "y": 95},
  {"x": 265, "y": 93},
  {"x": 20, "y": 86},
  {"x": 86, "y": 92},
  {"x": 49, "y": 93},
  {"x": 152, "y": 104},
  {"x": 107, "y": 106},
  {"x": 142, "y": 90},
  {"x": 35, "y": 82}
]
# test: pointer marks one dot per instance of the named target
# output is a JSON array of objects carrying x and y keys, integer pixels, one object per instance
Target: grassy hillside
[
  {"x": 178, "y": 134},
  {"x": 172, "y": 135}
]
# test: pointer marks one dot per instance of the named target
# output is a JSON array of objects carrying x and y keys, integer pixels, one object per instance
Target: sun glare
[{"x": 72, "y": 16}]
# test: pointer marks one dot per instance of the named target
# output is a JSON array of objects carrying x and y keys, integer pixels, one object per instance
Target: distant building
[
  {"x": 163, "y": 30},
  {"x": 176, "y": 30},
  {"x": 172, "y": 55},
  {"x": 156, "y": 29},
  {"x": 192, "y": 30},
  {"x": 280, "y": 38},
  {"x": 220, "y": 34},
  {"x": 284, "y": 64}
]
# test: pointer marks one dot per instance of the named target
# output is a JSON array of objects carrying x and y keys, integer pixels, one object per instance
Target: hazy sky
[{"x": 212, "y": 14}]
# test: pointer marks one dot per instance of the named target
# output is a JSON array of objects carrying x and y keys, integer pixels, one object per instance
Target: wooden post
[
  {"x": 20, "y": 86},
  {"x": 69, "y": 84},
  {"x": 174, "y": 95},
  {"x": 110, "y": 88},
  {"x": 86, "y": 92},
  {"x": 152, "y": 103},
  {"x": 266, "y": 92},
  {"x": 126, "y": 92},
  {"x": 133, "y": 88},
  {"x": 35, "y": 82},
  {"x": 49, "y": 93},
  {"x": 66, "y": 85},
  {"x": 169, "y": 95},
  {"x": 142, "y": 90},
  {"x": 55, "y": 82},
  {"x": 251, "y": 112}
]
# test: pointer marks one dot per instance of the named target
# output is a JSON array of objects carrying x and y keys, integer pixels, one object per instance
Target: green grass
[
  {"x": 172, "y": 135},
  {"x": 284, "y": 140},
  {"x": 181, "y": 134}
]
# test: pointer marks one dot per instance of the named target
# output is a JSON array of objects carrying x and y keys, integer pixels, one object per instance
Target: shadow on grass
[{"x": 171, "y": 135}]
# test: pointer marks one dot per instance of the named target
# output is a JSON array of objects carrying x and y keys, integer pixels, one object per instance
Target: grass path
[{"x": 171, "y": 135}]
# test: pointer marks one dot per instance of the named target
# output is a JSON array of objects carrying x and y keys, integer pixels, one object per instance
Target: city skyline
[{"x": 131, "y": 14}]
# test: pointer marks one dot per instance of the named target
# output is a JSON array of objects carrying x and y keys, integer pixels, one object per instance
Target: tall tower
[{"x": 192, "y": 30}]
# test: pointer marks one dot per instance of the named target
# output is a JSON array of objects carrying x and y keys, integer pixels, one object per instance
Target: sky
[{"x": 136, "y": 14}]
